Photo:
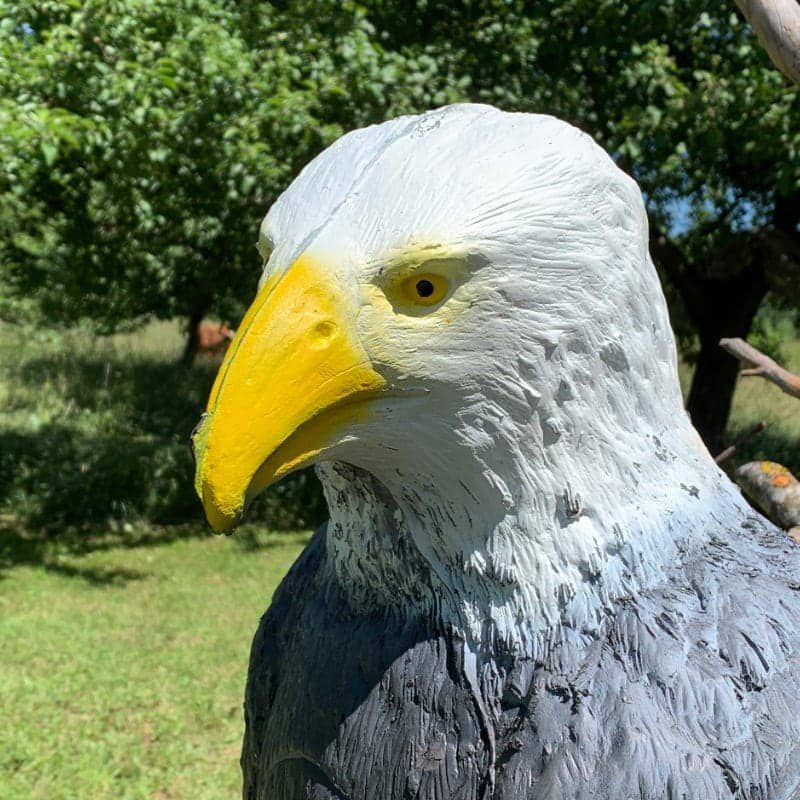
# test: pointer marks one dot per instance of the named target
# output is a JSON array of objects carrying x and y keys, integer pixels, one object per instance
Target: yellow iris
[{"x": 424, "y": 289}]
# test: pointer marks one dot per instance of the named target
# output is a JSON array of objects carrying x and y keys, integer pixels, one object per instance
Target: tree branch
[
  {"x": 774, "y": 490},
  {"x": 729, "y": 451},
  {"x": 758, "y": 364},
  {"x": 777, "y": 25}
]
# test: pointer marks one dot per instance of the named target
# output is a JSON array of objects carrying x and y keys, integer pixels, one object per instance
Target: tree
[
  {"x": 143, "y": 140},
  {"x": 141, "y": 143}
]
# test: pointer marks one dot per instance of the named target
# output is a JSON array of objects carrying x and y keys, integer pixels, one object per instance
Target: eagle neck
[{"x": 505, "y": 547}]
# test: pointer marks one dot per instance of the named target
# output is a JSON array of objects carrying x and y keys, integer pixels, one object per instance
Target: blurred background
[{"x": 141, "y": 143}]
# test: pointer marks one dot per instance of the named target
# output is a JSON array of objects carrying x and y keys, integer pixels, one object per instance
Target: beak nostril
[
  {"x": 295, "y": 379},
  {"x": 322, "y": 334}
]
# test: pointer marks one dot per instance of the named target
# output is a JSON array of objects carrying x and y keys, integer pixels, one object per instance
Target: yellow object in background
[{"x": 773, "y": 489}]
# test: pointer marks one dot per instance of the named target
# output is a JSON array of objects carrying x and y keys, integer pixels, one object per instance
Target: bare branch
[
  {"x": 758, "y": 364},
  {"x": 729, "y": 451},
  {"x": 777, "y": 25}
]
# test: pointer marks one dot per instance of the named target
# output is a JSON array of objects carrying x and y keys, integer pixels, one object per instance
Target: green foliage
[
  {"x": 94, "y": 433},
  {"x": 680, "y": 92},
  {"x": 773, "y": 330},
  {"x": 756, "y": 401},
  {"x": 142, "y": 140}
]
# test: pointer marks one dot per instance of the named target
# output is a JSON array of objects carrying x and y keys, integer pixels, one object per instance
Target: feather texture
[
  {"x": 535, "y": 583},
  {"x": 688, "y": 690}
]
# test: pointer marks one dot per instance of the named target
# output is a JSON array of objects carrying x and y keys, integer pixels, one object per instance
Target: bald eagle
[{"x": 535, "y": 583}]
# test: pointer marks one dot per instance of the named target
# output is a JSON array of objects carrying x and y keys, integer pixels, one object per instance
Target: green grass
[
  {"x": 123, "y": 639},
  {"x": 122, "y": 669},
  {"x": 94, "y": 432},
  {"x": 755, "y": 401}
]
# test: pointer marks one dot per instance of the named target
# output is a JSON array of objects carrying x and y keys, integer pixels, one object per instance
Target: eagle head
[{"x": 460, "y": 303}]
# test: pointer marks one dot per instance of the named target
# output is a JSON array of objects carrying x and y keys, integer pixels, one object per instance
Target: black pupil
[{"x": 424, "y": 288}]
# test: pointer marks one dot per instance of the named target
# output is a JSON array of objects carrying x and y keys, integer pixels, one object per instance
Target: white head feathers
[{"x": 536, "y": 460}]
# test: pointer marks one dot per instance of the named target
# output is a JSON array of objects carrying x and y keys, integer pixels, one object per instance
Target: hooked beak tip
[{"x": 218, "y": 520}]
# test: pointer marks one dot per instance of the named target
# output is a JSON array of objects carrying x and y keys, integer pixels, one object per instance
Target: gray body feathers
[{"x": 689, "y": 690}]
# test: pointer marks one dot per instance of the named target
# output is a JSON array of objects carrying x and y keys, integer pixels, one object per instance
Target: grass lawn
[
  {"x": 123, "y": 639},
  {"x": 122, "y": 670},
  {"x": 756, "y": 401}
]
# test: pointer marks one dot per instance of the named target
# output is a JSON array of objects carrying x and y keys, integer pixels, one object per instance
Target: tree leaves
[{"x": 142, "y": 141}]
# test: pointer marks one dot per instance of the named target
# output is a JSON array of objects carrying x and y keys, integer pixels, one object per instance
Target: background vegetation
[
  {"x": 124, "y": 642},
  {"x": 141, "y": 142},
  {"x": 122, "y": 669},
  {"x": 95, "y": 433}
]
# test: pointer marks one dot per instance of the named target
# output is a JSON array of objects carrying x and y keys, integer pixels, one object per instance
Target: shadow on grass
[
  {"x": 151, "y": 396},
  {"x": 60, "y": 476},
  {"x": 252, "y": 539},
  {"x": 78, "y": 543},
  {"x": 26, "y": 548},
  {"x": 91, "y": 444},
  {"x": 17, "y": 550},
  {"x": 94, "y": 439}
]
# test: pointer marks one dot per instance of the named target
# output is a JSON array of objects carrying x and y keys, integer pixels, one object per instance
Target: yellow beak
[{"x": 294, "y": 376}]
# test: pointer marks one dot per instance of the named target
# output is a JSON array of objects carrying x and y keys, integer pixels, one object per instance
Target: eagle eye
[
  {"x": 417, "y": 287},
  {"x": 427, "y": 289}
]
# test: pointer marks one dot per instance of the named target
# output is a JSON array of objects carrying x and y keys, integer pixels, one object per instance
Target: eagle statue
[{"x": 535, "y": 583}]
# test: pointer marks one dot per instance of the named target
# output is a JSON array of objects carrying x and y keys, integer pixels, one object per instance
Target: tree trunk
[
  {"x": 736, "y": 303},
  {"x": 711, "y": 393},
  {"x": 720, "y": 298},
  {"x": 192, "y": 338}
]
